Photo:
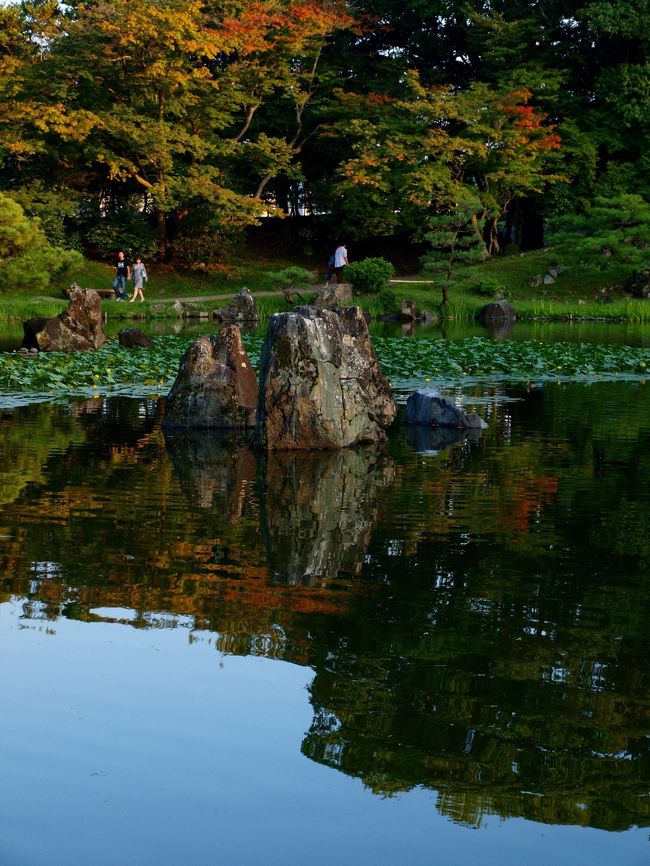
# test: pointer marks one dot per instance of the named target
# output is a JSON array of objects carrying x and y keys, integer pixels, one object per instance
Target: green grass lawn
[{"x": 580, "y": 291}]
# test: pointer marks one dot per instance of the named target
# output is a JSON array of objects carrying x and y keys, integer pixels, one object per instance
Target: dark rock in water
[
  {"x": 335, "y": 295},
  {"x": 408, "y": 311},
  {"x": 80, "y": 328},
  {"x": 499, "y": 311},
  {"x": 433, "y": 440},
  {"x": 318, "y": 510},
  {"x": 215, "y": 385},
  {"x": 242, "y": 308},
  {"x": 320, "y": 382},
  {"x": 216, "y": 469},
  {"x": 429, "y": 408},
  {"x": 133, "y": 338}
]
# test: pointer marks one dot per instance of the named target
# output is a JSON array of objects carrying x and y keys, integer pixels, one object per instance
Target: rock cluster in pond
[
  {"x": 133, "y": 338},
  {"x": 79, "y": 328},
  {"x": 408, "y": 312},
  {"x": 242, "y": 308},
  {"x": 320, "y": 382},
  {"x": 215, "y": 386},
  {"x": 429, "y": 408},
  {"x": 318, "y": 510}
]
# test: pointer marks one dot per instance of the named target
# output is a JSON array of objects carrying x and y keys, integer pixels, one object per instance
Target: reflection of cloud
[
  {"x": 319, "y": 509},
  {"x": 214, "y": 468}
]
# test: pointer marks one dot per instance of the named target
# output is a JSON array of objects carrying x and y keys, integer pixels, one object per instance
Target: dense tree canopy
[{"x": 172, "y": 125}]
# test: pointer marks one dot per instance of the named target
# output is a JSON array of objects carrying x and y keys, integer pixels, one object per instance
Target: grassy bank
[{"x": 577, "y": 291}]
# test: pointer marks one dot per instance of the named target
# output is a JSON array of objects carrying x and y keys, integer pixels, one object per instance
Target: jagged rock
[
  {"x": 320, "y": 382},
  {"x": 80, "y": 328},
  {"x": 335, "y": 295},
  {"x": 133, "y": 338},
  {"x": 549, "y": 279},
  {"x": 639, "y": 284},
  {"x": 537, "y": 281},
  {"x": 318, "y": 510},
  {"x": 428, "y": 407},
  {"x": 215, "y": 386},
  {"x": 408, "y": 313},
  {"x": 499, "y": 311},
  {"x": 242, "y": 308}
]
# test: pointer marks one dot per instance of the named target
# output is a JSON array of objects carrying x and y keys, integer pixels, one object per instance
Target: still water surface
[{"x": 408, "y": 654}]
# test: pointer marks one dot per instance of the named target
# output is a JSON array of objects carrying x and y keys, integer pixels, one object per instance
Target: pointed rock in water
[
  {"x": 429, "y": 408},
  {"x": 215, "y": 386},
  {"x": 133, "y": 338},
  {"x": 496, "y": 312},
  {"x": 80, "y": 328},
  {"x": 320, "y": 382},
  {"x": 242, "y": 308}
]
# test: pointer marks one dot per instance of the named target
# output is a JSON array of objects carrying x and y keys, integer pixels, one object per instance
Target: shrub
[
  {"x": 485, "y": 286},
  {"x": 389, "y": 301},
  {"x": 27, "y": 260},
  {"x": 369, "y": 275},
  {"x": 290, "y": 278}
]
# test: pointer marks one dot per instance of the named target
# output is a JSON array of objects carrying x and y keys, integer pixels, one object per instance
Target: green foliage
[
  {"x": 612, "y": 230},
  {"x": 389, "y": 301},
  {"x": 290, "y": 278},
  {"x": 27, "y": 260},
  {"x": 369, "y": 276},
  {"x": 124, "y": 227},
  {"x": 485, "y": 286},
  {"x": 455, "y": 238}
]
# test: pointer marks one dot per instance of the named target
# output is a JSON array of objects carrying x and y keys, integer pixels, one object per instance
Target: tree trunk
[
  {"x": 444, "y": 288},
  {"x": 163, "y": 241}
]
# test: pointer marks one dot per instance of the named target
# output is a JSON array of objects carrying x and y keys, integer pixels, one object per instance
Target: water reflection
[
  {"x": 433, "y": 440},
  {"x": 318, "y": 510},
  {"x": 476, "y": 624}
]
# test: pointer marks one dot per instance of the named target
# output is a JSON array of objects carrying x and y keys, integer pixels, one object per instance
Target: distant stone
[
  {"x": 176, "y": 308},
  {"x": 549, "y": 280},
  {"x": 429, "y": 408},
  {"x": 79, "y": 328},
  {"x": 320, "y": 382},
  {"x": 133, "y": 338},
  {"x": 537, "y": 281},
  {"x": 427, "y": 318},
  {"x": 334, "y": 295},
  {"x": 215, "y": 386},
  {"x": 499, "y": 311},
  {"x": 242, "y": 308},
  {"x": 408, "y": 312}
]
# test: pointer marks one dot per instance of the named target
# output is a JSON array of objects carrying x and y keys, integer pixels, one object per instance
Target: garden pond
[{"x": 431, "y": 651}]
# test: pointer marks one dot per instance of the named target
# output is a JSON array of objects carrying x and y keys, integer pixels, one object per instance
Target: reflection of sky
[{"x": 128, "y": 746}]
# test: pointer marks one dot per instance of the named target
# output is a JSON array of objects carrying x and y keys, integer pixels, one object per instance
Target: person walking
[
  {"x": 340, "y": 261},
  {"x": 330, "y": 269},
  {"x": 139, "y": 278},
  {"x": 122, "y": 274}
]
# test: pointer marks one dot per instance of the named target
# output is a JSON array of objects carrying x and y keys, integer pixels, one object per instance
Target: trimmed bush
[{"x": 369, "y": 276}]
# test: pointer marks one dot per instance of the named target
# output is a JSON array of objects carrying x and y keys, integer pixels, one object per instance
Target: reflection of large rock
[
  {"x": 432, "y": 440},
  {"x": 242, "y": 308},
  {"x": 80, "y": 328},
  {"x": 215, "y": 469},
  {"x": 320, "y": 382},
  {"x": 215, "y": 385},
  {"x": 319, "y": 509}
]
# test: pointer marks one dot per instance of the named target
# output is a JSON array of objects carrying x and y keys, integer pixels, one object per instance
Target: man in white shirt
[{"x": 340, "y": 261}]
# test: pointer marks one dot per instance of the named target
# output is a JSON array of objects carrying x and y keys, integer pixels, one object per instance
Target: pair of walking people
[
  {"x": 337, "y": 261},
  {"x": 124, "y": 271}
]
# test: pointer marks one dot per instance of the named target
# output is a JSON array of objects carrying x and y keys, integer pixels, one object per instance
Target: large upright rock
[
  {"x": 80, "y": 328},
  {"x": 320, "y": 382},
  {"x": 242, "y": 308},
  {"x": 215, "y": 386},
  {"x": 498, "y": 311},
  {"x": 334, "y": 295}
]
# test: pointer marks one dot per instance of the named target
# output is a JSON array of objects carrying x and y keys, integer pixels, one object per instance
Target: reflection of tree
[
  {"x": 476, "y": 621},
  {"x": 318, "y": 510}
]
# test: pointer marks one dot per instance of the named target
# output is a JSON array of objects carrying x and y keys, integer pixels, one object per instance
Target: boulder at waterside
[
  {"x": 133, "y": 338},
  {"x": 215, "y": 386},
  {"x": 320, "y": 383},
  {"x": 242, "y": 308},
  {"x": 499, "y": 311},
  {"x": 80, "y": 328},
  {"x": 335, "y": 295},
  {"x": 429, "y": 408}
]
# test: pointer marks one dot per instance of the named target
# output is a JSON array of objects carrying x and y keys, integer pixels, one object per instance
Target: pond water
[{"x": 412, "y": 653}]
